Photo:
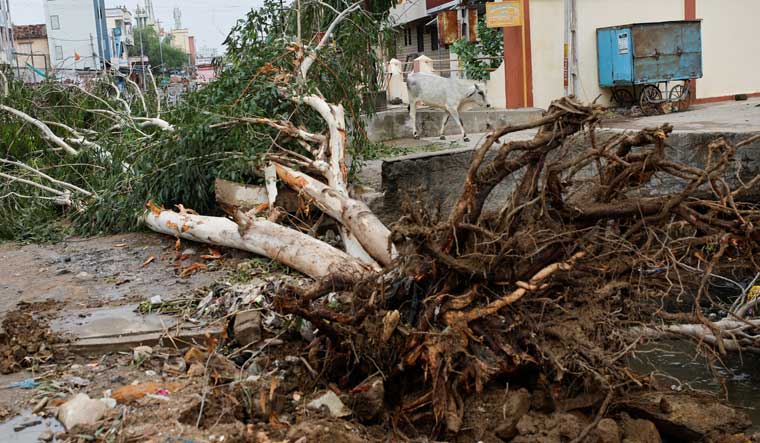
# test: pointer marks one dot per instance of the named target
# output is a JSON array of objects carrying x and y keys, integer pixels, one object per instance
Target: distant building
[
  {"x": 78, "y": 34},
  {"x": 119, "y": 22},
  {"x": 32, "y": 52},
  {"x": 182, "y": 40},
  {"x": 6, "y": 34}
]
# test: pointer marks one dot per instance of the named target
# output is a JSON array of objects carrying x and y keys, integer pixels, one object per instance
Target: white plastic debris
[{"x": 332, "y": 402}]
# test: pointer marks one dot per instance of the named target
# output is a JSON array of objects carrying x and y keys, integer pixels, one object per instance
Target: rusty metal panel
[
  {"x": 666, "y": 51},
  {"x": 656, "y": 39},
  {"x": 472, "y": 16},
  {"x": 448, "y": 27}
]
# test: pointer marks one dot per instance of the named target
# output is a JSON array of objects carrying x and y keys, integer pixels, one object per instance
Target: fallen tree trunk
[
  {"x": 299, "y": 251},
  {"x": 371, "y": 233}
]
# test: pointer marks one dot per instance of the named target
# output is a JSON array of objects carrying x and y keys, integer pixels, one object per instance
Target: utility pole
[
  {"x": 161, "y": 51},
  {"x": 92, "y": 47},
  {"x": 142, "y": 56}
]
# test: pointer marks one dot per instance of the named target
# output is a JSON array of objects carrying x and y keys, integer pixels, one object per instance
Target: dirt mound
[{"x": 25, "y": 338}]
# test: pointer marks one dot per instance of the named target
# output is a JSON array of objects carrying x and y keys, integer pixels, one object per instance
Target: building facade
[
  {"x": 32, "y": 53},
  {"x": 182, "y": 40},
  {"x": 417, "y": 34},
  {"x": 6, "y": 34},
  {"x": 77, "y": 35},
  {"x": 727, "y": 47},
  {"x": 119, "y": 22}
]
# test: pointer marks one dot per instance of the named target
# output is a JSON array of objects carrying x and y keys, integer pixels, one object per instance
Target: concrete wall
[
  {"x": 547, "y": 22},
  {"x": 730, "y": 47},
  {"x": 435, "y": 180},
  {"x": 593, "y": 14},
  {"x": 77, "y": 33},
  {"x": 547, "y": 40},
  {"x": 407, "y": 11}
]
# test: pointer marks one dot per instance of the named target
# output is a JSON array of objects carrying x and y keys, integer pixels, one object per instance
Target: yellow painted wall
[
  {"x": 547, "y": 40},
  {"x": 593, "y": 14},
  {"x": 730, "y": 47},
  {"x": 547, "y": 21},
  {"x": 39, "y": 46}
]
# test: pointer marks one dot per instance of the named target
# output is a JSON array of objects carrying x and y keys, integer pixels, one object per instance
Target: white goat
[{"x": 443, "y": 93}]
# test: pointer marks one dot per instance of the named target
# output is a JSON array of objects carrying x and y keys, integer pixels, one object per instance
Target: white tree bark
[
  {"x": 309, "y": 60},
  {"x": 736, "y": 335},
  {"x": 47, "y": 133},
  {"x": 299, "y": 251},
  {"x": 369, "y": 231},
  {"x": 47, "y": 177},
  {"x": 6, "y": 88}
]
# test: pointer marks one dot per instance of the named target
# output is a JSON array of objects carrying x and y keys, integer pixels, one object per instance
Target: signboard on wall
[{"x": 503, "y": 14}]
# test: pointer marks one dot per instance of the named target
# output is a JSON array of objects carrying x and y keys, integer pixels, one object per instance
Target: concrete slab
[
  {"x": 121, "y": 328},
  {"x": 395, "y": 124}
]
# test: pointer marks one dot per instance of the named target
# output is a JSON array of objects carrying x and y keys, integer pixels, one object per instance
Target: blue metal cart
[{"x": 640, "y": 61}]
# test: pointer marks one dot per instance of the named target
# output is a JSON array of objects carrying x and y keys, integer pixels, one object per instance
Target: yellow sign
[{"x": 503, "y": 14}]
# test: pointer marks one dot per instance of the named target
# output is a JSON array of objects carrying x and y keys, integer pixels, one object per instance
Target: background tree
[
  {"x": 490, "y": 44},
  {"x": 173, "y": 58}
]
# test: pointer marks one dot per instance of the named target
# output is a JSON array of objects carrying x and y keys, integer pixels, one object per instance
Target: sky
[{"x": 209, "y": 20}]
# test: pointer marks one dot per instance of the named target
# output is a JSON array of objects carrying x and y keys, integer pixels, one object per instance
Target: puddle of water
[
  {"x": 679, "y": 359},
  {"x": 31, "y": 434}
]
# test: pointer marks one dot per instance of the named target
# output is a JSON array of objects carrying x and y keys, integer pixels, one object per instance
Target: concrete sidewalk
[{"x": 723, "y": 117}]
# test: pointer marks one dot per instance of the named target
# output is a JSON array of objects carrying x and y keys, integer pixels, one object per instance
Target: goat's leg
[
  {"x": 455, "y": 114},
  {"x": 443, "y": 125},
  {"x": 413, "y": 115}
]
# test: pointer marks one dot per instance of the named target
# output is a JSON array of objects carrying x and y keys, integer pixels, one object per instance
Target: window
[
  {"x": 434, "y": 37},
  {"x": 54, "y": 22},
  {"x": 407, "y": 37},
  {"x": 420, "y": 38},
  {"x": 59, "y": 53},
  {"x": 25, "y": 48}
]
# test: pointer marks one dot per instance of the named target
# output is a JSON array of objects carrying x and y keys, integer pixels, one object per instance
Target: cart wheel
[
  {"x": 623, "y": 97},
  {"x": 650, "y": 99},
  {"x": 679, "y": 97}
]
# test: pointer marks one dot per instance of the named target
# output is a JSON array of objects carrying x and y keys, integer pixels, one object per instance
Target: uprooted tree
[
  {"x": 567, "y": 277},
  {"x": 604, "y": 241}
]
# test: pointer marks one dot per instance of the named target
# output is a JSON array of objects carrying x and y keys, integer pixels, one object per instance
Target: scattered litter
[
  {"x": 129, "y": 393},
  {"x": 141, "y": 353},
  {"x": 110, "y": 402},
  {"x": 175, "y": 366},
  {"x": 40, "y": 405},
  {"x": 333, "y": 403},
  {"x": 156, "y": 300},
  {"x": 81, "y": 410},
  {"x": 150, "y": 373},
  {"x": 77, "y": 381},
  {"x": 27, "y": 424},
  {"x": 29, "y": 383}
]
